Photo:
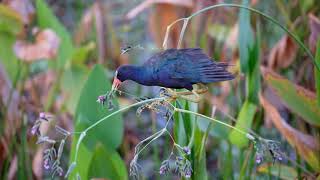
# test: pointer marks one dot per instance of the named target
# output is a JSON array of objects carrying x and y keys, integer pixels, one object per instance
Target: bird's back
[{"x": 180, "y": 68}]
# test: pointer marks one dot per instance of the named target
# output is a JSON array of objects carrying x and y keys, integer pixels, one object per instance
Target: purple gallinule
[{"x": 177, "y": 69}]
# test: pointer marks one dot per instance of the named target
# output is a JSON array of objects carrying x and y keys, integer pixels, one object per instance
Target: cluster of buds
[
  {"x": 51, "y": 157},
  {"x": 264, "y": 146},
  {"x": 106, "y": 100},
  {"x": 43, "y": 117},
  {"x": 161, "y": 107},
  {"x": 183, "y": 167},
  {"x": 180, "y": 165}
]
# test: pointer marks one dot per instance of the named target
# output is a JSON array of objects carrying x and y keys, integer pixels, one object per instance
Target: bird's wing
[{"x": 195, "y": 66}]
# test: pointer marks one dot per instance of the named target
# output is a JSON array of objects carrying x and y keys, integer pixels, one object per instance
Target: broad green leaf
[
  {"x": 307, "y": 146},
  {"x": 10, "y": 21},
  {"x": 46, "y": 19},
  {"x": 244, "y": 122},
  {"x": 109, "y": 132},
  {"x": 299, "y": 100},
  {"x": 217, "y": 130},
  {"x": 278, "y": 170},
  {"x": 245, "y": 40},
  {"x": 107, "y": 164},
  {"x": 83, "y": 161},
  {"x": 72, "y": 82}
]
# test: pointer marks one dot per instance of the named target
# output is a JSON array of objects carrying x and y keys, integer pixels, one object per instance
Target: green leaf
[
  {"x": 46, "y": 19},
  {"x": 80, "y": 54},
  {"x": 296, "y": 98},
  {"x": 10, "y": 21},
  {"x": 109, "y": 133},
  {"x": 253, "y": 74},
  {"x": 278, "y": 170},
  {"x": 180, "y": 134},
  {"x": 198, "y": 156},
  {"x": 245, "y": 40},
  {"x": 107, "y": 164},
  {"x": 7, "y": 56},
  {"x": 72, "y": 82},
  {"x": 10, "y": 25},
  {"x": 83, "y": 161},
  {"x": 244, "y": 122},
  {"x": 217, "y": 130}
]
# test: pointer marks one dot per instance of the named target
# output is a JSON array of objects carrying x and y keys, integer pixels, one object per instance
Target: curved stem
[
  {"x": 249, "y": 136},
  {"x": 123, "y": 109},
  {"x": 252, "y": 10}
]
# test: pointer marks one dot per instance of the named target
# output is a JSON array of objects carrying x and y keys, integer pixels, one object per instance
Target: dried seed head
[
  {"x": 35, "y": 130},
  {"x": 46, "y": 164},
  {"x": 165, "y": 167},
  {"x": 62, "y": 131},
  {"x": 186, "y": 150},
  {"x": 43, "y": 139},
  {"x": 259, "y": 158},
  {"x": 44, "y": 116},
  {"x": 102, "y": 99}
]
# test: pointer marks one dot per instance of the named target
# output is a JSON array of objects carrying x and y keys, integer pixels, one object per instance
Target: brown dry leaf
[
  {"x": 37, "y": 163},
  {"x": 98, "y": 11},
  {"x": 147, "y": 3},
  {"x": 24, "y": 8},
  {"x": 38, "y": 88},
  {"x": 314, "y": 24},
  {"x": 276, "y": 102},
  {"x": 85, "y": 26},
  {"x": 283, "y": 53},
  {"x": 307, "y": 146},
  {"x": 13, "y": 168},
  {"x": 45, "y": 47},
  {"x": 162, "y": 16}
]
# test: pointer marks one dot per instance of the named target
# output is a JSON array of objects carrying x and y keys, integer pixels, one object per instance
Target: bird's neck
[{"x": 140, "y": 75}]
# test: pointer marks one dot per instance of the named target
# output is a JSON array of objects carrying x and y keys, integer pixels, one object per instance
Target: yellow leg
[{"x": 193, "y": 95}]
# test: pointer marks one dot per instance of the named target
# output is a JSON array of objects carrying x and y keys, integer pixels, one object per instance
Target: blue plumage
[{"x": 176, "y": 68}]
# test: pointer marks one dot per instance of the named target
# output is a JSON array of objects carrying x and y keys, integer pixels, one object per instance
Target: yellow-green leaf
[{"x": 298, "y": 99}]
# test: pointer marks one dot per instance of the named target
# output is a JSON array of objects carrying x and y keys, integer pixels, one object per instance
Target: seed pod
[{"x": 60, "y": 150}]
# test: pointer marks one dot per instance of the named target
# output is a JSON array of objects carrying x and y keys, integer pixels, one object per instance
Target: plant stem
[
  {"x": 123, "y": 109},
  {"x": 215, "y": 120}
]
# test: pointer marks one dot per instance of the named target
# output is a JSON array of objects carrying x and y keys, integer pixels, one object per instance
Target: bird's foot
[{"x": 193, "y": 96}]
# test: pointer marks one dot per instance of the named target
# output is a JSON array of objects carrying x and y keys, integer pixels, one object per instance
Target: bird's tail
[{"x": 217, "y": 72}]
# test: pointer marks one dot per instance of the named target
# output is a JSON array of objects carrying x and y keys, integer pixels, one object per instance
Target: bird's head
[{"x": 121, "y": 75}]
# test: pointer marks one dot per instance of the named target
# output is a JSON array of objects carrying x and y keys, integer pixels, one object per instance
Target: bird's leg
[
  {"x": 171, "y": 94},
  {"x": 193, "y": 97},
  {"x": 201, "y": 88}
]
